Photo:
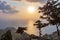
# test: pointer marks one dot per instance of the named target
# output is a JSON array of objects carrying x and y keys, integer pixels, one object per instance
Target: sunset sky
[{"x": 17, "y": 13}]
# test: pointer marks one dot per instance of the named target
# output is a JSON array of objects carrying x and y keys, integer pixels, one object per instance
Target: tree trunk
[
  {"x": 39, "y": 34},
  {"x": 57, "y": 31}
]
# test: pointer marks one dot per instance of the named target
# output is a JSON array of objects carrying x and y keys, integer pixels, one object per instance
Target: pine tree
[
  {"x": 52, "y": 12},
  {"x": 20, "y": 30},
  {"x": 7, "y": 36},
  {"x": 40, "y": 25}
]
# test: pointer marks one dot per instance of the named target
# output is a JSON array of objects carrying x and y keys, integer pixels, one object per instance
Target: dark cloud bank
[{"x": 6, "y": 8}]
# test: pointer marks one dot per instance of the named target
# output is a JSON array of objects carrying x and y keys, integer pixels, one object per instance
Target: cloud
[
  {"x": 16, "y": 0},
  {"x": 41, "y": 1},
  {"x": 36, "y": 0},
  {"x": 6, "y": 8}
]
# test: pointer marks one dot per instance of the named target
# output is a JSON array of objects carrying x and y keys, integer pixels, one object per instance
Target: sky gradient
[{"x": 13, "y": 13}]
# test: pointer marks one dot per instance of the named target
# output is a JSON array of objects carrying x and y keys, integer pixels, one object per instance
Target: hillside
[{"x": 13, "y": 32}]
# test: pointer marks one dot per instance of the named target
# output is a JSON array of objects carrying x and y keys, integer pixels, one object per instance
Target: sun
[{"x": 31, "y": 9}]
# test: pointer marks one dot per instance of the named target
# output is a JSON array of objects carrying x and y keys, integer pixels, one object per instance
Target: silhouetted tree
[
  {"x": 7, "y": 36},
  {"x": 51, "y": 11},
  {"x": 20, "y": 30},
  {"x": 24, "y": 35},
  {"x": 40, "y": 25}
]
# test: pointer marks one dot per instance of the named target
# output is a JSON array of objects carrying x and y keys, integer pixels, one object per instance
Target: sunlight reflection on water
[{"x": 31, "y": 29}]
